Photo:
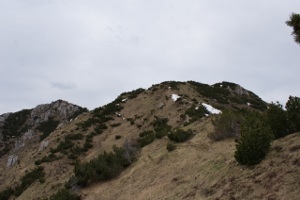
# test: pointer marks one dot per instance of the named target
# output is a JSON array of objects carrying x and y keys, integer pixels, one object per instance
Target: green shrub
[
  {"x": 161, "y": 127},
  {"x": 196, "y": 112},
  {"x": 75, "y": 136},
  {"x": 72, "y": 156},
  {"x": 5, "y": 194},
  {"x": 218, "y": 93},
  {"x": 28, "y": 179},
  {"x": 15, "y": 124},
  {"x": 146, "y": 137},
  {"x": 171, "y": 146},
  {"x": 293, "y": 112},
  {"x": 51, "y": 157},
  {"x": 180, "y": 135},
  {"x": 62, "y": 146},
  {"x": 133, "y": 94},
  {"x": 64, "y": 194},
  {"x": 47, "y": 127},
  {"x": 117, "y": 137},
  {"x": 78, "y": 112},
  {"x": 277, "y": 120},
  {"x": 106, "y": 166},
  {"x": 99, "y": 128},
  {"x": 254, "y": 143}
]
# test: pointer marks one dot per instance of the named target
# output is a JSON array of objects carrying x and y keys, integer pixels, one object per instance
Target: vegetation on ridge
[
  {"x": 253, "y": 132},
  {"x": 294, "y": 22}
]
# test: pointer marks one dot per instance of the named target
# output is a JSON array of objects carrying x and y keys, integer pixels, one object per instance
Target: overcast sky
[{"x": 89, "y": 51}]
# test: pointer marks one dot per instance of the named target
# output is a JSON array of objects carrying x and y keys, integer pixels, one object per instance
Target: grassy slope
[{"x": 197, "y": 169}]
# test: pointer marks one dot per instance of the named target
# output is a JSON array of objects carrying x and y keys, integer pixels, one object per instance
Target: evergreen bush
[
  {"x": 171, "y": 146},
  {"x": 254, "y": 143},
  {"x": 146, "y": 137},
  {"x": 293, "y": 112},
  {"x": 278, "y": 121},
  {"x": 180, "y": 135}
]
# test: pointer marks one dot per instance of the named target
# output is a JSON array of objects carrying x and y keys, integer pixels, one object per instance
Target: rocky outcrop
[
  {"x": 61, "y": 110},
  {"x": 20, "y": 142},
  {"x": 12, "y": 159},
  {"x": 241, "y": 91},
  {"x": 43, "y": 145}
]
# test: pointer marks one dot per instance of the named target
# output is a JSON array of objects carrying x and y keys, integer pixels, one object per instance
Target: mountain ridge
[{"x": 84, "y": 135}]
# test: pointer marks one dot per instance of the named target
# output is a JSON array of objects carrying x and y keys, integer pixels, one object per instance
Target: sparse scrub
[
  {"x": 180, "y": 135},
  {"x": 47, "y": 127},
  {"x": 131, "y": 121},
  {"x": 51, "y": 157},
  {"x": 15, "y": 124},
  {"x": 218, "y": 93},
  {"x": 64, "y": 194},
  {"x": 67, "y": 144},
  {"x": 196, "y": 112},
  {"x": 161, "y": 127},
  {"x": 146, "y": 137},
  {"x": 171, "y": 146},
  {"x": 227, "y": 125},
  {"x": 106, "y": 166},
  {"x": 174, "y": 85},
  {"x": 100, "y": 128},
  {"x": 28, "y": 179},
  {"x": 133, "y": 94},
  {"x": 78, "y": 112},
  {"x": 75, "y": 136},
  {"x": 223, "y": 94}
]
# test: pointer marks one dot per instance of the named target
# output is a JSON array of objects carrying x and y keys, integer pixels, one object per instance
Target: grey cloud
[{"x": 63, "y": 86}]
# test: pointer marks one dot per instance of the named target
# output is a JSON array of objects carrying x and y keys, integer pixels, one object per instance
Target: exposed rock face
[
  {"x": 59, "y": 109},
  {"x": 3, "y": 117},
  {"x": 43, "y": 145},
  {"x": 239, "y": 90},
  {"x": 17, "y": 129},
  {"x": 22, "y": 140},
  {"x": 12, "y": 159}
]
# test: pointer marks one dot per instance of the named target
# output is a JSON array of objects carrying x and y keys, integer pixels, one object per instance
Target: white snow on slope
[
  {"x": 175, "y": 97},
  {"x": 211, "y": 109}
]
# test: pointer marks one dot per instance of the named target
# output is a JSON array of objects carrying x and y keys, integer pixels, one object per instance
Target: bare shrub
[{"x": 227, "y": 125}]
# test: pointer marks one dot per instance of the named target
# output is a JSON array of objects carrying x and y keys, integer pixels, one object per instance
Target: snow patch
[
  {"x": 211, "y": 109},
  {"x": 175, "y": 97}
]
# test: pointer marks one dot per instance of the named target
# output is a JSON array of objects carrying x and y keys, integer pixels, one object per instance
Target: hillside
[{"x": 57, "y": 136}]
